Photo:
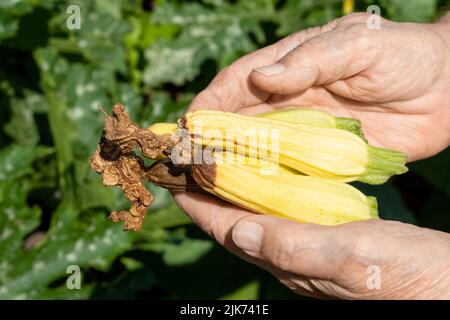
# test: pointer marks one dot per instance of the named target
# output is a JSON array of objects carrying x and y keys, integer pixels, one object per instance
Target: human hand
[
  {"x": 340, "y": 261},
  {"x": 396, "y": 81}
]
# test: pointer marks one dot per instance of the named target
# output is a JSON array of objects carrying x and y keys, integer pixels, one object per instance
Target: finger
[
  {"x": 224, "y": 222},
  {"x": 305, "y": 249},
  {"x": 231, "y": 89},
  {"x": 322, "y": 60},
  {"x": 256, "y": 109},
  {"x": 273, "y": 243},
  {"x": 217, "y": 218},
  {"x": 214, "y": 216}
]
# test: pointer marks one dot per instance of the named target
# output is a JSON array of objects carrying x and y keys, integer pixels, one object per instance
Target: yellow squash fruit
[
  {"x": 315, "y": 118},
  {"x": 292, "y": 170},
  {"x": 304, "y": 116},
  {"x": 322, "y": 152},
  {"x": 296, "y": 197},
  {"x": 296, "y": 115},
  {"x": 163, "y": 128}
]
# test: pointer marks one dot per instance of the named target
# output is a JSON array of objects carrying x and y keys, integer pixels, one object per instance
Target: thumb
[
  {"x": 304, "y": 249},
  {"x": 321, "y": 60}
]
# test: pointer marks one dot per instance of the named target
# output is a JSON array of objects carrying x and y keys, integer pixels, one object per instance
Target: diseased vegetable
[
  {"x": 291, "y": 163},
  {"x": 297, "y": 197},
  {"x": 322, "y": 152},
  {"x": 315, "y": 118},
  {"x": 290, "y": 114},
  {"x": 309, "y": 117}
]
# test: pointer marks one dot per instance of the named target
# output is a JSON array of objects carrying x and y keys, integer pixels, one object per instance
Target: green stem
[
  {"x": 350, "y": 124},
  {"x": 383, "y": 163}
]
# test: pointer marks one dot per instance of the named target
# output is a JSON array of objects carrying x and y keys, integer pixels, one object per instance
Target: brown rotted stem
[{"x": 165, "y": 174}]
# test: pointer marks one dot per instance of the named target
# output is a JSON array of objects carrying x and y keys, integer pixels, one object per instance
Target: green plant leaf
[
  {"x": 10, "y": 11},
  {"x": 434, "y": 214},
  {"x": 93, "y": 194},
  {"x": 93, "y": 244},
  {"x": 16, "y": 221},
  {"x": 390, "y": 203},
  {"x": 167, "y": 217},
  {"x": 435, "y": 169},
  {"x": 8, "y": 25},
  {"x": 15, "y": 161},
  {"x": 205, "y": 34},
  {"x": 297, "y": 15},
  {"x": 415, "y": 11},
  {"x": 187, "y": 252},
  {"x": 22, "y": 125},
  {"x": 249, "y": 291}
]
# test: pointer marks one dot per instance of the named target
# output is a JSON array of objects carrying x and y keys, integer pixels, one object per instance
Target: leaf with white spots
[
  {"x": 16, "y": 221},
  {"x": 10, "y": 11},
  {"x": 415, "y": 11},
  {"x": 15, "y": 161},
  {"x": 205, "y": 33},
  {"x": 16, "y": 218},
  {"x": 22, "y": 125},
  {"x": 76, "y": 244}
]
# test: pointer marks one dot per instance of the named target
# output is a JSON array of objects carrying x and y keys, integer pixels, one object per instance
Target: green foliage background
[{"x": 153, "y": 56}]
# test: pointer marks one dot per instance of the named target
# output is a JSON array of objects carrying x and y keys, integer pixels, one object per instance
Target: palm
[
  {"x": 325, "y": 261},
  {"x": 394, "y": 77},
  {"x": 396, "y": 81}
]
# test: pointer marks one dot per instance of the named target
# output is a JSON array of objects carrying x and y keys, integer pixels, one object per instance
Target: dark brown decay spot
[
  {"x": 165, "y": 174},
  {"x": 119, "y": 165},
  {"x": 204, "y": 175}
]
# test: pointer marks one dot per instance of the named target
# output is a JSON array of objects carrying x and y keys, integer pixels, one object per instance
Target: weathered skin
[
  {"x": 175, "y": 178},
  {"x": 396, "y": 80}
]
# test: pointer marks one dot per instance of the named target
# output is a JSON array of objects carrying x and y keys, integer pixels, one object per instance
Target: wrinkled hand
[
  {"x": 347, "y": 261},
  {"x": 396, "y": 80}
]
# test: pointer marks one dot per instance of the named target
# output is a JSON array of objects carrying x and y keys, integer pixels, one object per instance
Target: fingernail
[
  {"x": 271, "y": 70},
  {"x": 248, "y": 236}
]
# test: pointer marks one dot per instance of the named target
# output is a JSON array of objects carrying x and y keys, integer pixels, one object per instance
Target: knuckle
[
  {"x": 355, "y": 17},
  {"x": 225, "y": 75},
  {"x": 329, "y": 26},
  {"x": 303, "y": 35},
  {"x": 221, "y": 224},
  {"x": 362, "y": 247},
  {"x": 302, "y": 56},
  {"x": 281, "y": 252},
  {"x": 360, "y": 19},
  {"x": 288, "y": 283},
  {"x": 219, "y": 89},
  {"x": 361, "y": 36},
  {"x": 202, "y": 96},
  {"x": 357, "y": 29},
  {"x": 206, "y": 99}
]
